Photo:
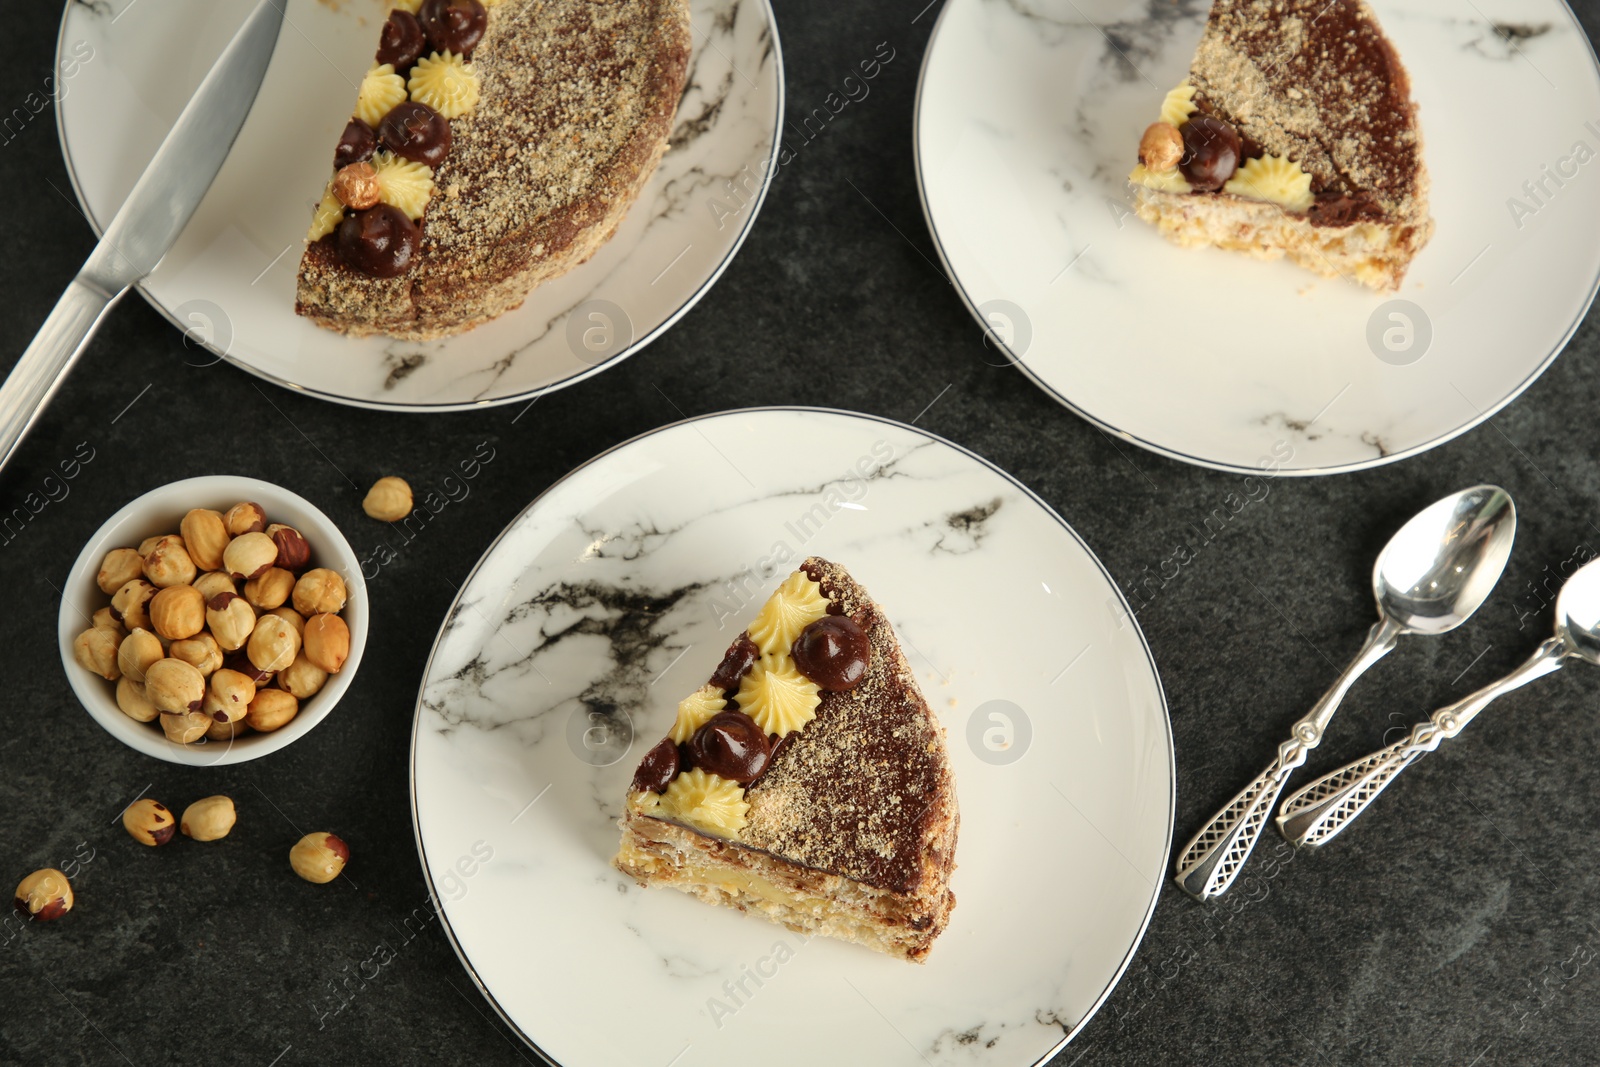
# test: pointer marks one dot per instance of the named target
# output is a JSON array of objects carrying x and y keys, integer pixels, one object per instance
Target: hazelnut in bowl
[{"x": 213, "y": 620}]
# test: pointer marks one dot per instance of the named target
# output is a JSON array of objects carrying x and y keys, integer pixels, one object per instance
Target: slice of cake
[
  {"x": 1295, "y": 135},
  {"x": 495, "y": 145},
  {"x": 807, "y": 781}
]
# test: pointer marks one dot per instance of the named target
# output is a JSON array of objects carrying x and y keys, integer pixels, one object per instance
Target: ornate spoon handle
[
  {"x": 1211, "y": 860},
  {"x": 1317, "y": 813}
]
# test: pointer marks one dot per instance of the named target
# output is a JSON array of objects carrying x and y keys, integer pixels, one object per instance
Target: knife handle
[{"x": 44, "y": 365}]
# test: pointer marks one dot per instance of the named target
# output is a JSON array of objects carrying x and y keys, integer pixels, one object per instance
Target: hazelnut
[
  {"x": 45, "y": 895},
  {"x": 149, "y": 822},
  {"x": 148, "y": 545},
  {"x": 134, "y": 703},
  {"x": 139, "y": 651},
  {"x": 1161, "y": 146},
  {"x": 169, "y": 564},
  {"x": 273, "y": 644},
  {"x": 389, "y": 499},
  {"x": 174, "y": 686},
  {"x": 209, "y": 819},
  {"x": 294, "y": 551},
  {"x": 231, "y": 619},
  {"x": 271, "y": 709},
  {"x": 240, "y": 662},
  {"x": 356, "y": 186},
  {"x": 319, "y": 591},
  {"x": 245, "y": 518},
  {"x": 178, "y": 611},
  {"x": 226, "y": 731},
  {"x": 233, "y": 692},
  {"x": 302, "y": 677},
  {"x": 319, "y": 857},
  {"x": 249, "y": 555},
  {"x": 121, "y": 566},
  {"x": 106, "y": 619},
  {"x": 269, "y": 589},
  {"x": 185, "y": 728},
  {"x": 200, "y": 651},
  {"x": 327, "y": 642},
  {"x": 131, "y": 604},
  {"x": 292, "y": 617},
  {"x": 96, "y": 648},
  {"x": 213, "y": 582},
  {"x": 205, "y": 535}
]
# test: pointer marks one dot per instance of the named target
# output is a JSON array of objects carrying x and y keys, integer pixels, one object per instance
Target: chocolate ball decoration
[
  {"x": 402, "y": 42},
  {"x": 736, "y": 664},
  {"x": 658, "y": 768},
  {"x": 1212, "y": 149},
  {"x": 379, "y": 241},
  {"x": 453, "y": 25},
  {"x": 416, "y": 132},
  {"x": 356, "y": 144},
  {"x": 731, "y": 745},
  {"x": 833, "y": 652}
]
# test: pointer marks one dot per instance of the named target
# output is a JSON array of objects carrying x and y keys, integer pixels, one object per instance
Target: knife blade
[{"x": 148, "y": 223}]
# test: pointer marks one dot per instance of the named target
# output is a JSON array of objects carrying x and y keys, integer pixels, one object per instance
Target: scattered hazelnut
[
  {"x": 178, "y": 611},
  {"x": 233, "y": 692},
  {"x": 389, "y": 499},
  {"x": 273, "y": 643},
  {"x": 200, "y": 651},
  {"x": 121, "y": 566},
  {"x": 249, "y": 555},
  {"x": 327, "y": 642},
  {"x": 231, "y": 619},
  {"x": 269, "y": 589},
  {"x": 294, "y": 552},
  {"x": 245, "y": 518},
  {"x": 292, "y": 617},
  {"x": 213, "y": 582},
  {"x": 206, "y": 536},
  {"x": 96, "y": 648},
  {"x": 209, "y": 819},
  {"x": 226, "y": 731},
  {"x": 356, "y": 186},
  {"x": 139, "y": 651},
  {"x": 134, "y": 703},
  {"x": 174, "y": 686},
  {"x": 319, "y": 591},
  {"x": 169, "y": 564},
  {"x": 106, "y": 619},
  {"x": 1161, "y": 146},
  {"x": 319, "y": 857},
  {"x": 185, "y": 728},
  {"x": 271, "y": 709},
  {"x": 148, "y": 821},
  {"x": 44, "y": 895},
  {"x": 131, "y": 604},
  {"x": 302, "y": 677}
]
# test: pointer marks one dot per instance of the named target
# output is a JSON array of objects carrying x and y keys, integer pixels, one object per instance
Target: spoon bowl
[
  {"x": 1578, "y": 612},
  {"x": 1440, "y": 566}
]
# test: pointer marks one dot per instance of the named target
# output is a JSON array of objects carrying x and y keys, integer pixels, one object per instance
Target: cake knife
[{"x": 147, "y": 224}]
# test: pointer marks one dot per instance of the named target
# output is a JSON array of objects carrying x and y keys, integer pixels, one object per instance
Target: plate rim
[
  {"x": 514, "y": 521},
  {"x": 1477, "y": 420},
  {"x": 770, "y": 175}
]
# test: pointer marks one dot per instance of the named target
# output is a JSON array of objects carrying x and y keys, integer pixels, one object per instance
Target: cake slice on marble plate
[
  {"x": 1294, "y": 135},
  {"x": 807, "y": 782}
]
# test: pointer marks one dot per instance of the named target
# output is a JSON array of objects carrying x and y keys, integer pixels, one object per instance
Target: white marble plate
[
  {"x": 616, "y": 592},
  {"x": 127, "y": 67},
  {"x": 1028, "y": 120}
]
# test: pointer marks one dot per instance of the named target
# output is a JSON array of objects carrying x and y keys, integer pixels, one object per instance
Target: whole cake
[
  {"x": 1295, "y": 135},
  {"x": 495, "y": 145},
  {"x": 807, "y": 781}
]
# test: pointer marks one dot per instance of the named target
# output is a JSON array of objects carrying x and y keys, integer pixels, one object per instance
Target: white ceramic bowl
[{"x": 159, "y": 511}]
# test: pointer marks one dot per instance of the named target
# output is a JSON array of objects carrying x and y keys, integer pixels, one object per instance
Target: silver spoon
[
  {"x": 1319, "y": 811},
  {"x": 1429, "y": 579}
]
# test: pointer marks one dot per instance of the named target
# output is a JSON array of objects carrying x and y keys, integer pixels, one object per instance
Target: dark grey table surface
[{"x": 1459, "y": 925}]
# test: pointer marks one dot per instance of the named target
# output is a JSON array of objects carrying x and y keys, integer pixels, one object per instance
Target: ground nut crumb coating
[{"x": 576, "y": 105}]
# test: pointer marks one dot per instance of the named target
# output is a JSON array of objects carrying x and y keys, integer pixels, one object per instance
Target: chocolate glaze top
[{"x": 1317, "y": 81}]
